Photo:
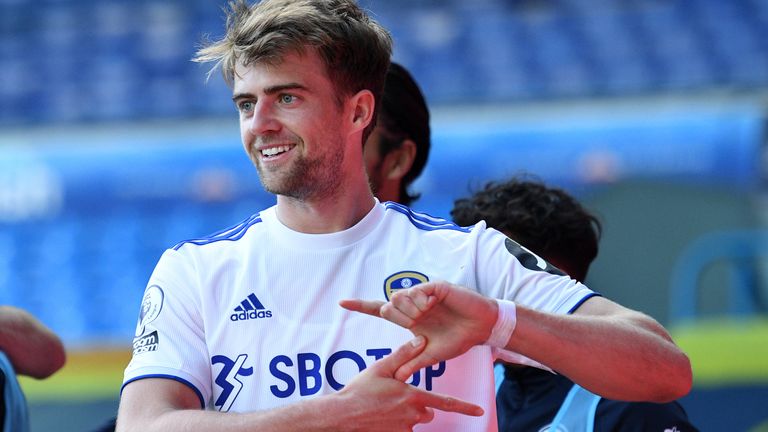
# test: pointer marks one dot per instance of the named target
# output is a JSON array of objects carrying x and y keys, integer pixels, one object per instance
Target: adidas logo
[{"x": 250, "y": 308}]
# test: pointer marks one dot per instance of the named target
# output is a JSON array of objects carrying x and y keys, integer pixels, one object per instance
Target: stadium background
[{"x": 113, "y": 148}]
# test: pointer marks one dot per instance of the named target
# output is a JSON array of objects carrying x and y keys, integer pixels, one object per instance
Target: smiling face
[{"x": 291, "y": 125}]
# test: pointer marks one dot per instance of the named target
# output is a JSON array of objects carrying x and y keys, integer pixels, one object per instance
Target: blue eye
[
  {"x": 286, "y": 98},
  {"x": 245, "y": 106}
]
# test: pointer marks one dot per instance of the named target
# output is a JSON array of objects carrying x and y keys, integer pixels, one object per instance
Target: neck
[
  {"x": 388, "y": 190},
  {"x": 342, "y": 210}
]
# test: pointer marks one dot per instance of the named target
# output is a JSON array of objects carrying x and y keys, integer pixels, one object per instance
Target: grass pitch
[{"x": 87, "y": 375}]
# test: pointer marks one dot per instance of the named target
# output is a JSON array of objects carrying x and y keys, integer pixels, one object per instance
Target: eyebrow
[{"x": 271, "y": 90}]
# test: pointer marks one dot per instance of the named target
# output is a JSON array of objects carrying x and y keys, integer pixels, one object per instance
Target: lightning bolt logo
[{"x": 227, "y": 379}]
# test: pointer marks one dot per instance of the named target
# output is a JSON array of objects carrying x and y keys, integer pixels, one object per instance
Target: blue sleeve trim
[
  {"x": 424, "y": 221},
  {"x": 170, "y": 377},
  {"x": 230, "y": 234},
  {"x": 581, "y": 302}
]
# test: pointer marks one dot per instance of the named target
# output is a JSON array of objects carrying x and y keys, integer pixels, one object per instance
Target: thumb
[{"x": 387, "y": 366}]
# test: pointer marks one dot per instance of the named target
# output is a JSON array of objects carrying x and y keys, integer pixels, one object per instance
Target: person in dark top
[{"x": 555, "y": 226}]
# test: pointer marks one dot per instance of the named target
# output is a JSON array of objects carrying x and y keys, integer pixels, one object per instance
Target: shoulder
[
  {"x": 420, "y": 221},
  {"x": 438, "y": 235},
  {"x": 228, "y": 235}
]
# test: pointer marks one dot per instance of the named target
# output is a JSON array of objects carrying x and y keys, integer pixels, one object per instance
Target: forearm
[
  {"x": 624, "y": 355},
  {"x": 315, "y": 415},
  {"x": 372, "y": 401}
]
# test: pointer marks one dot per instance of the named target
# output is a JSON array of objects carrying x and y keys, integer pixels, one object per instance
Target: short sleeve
[
  {"x": 507, "y": 270},
  {"x": 169, "y": 341}
]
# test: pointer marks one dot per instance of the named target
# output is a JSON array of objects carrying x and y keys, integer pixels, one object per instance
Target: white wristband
[{"x": 505, "y": 324}]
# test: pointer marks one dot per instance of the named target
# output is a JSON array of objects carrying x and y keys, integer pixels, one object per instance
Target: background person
[
  {"x": 398, "y": 148},
  {"x": 27, "y": 347},
  {"x": 555, "y": 226}
]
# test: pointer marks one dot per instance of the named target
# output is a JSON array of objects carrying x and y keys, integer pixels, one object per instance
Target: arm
[
  {"x": 608, "y": 349},
  {"x": 620, "y": 353},
  {"x": 33, "y": 349},
  {"x": 372, "y": 401}
]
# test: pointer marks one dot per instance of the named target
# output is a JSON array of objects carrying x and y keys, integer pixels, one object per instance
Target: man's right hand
[
  {"x": 372, "y": 401},
  {"x": 377, "y": 401}
]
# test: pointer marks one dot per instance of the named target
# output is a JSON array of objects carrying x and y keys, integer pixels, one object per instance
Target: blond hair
[{"x": 356, "y": 50}]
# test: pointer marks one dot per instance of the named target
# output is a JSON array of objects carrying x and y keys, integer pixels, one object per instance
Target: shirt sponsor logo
[
  {"x": 250, "y": 308},
  {"x": 146, "y": 343},
  {"x": 402, "y": 280},
  {"x": 307, "y": 373}
]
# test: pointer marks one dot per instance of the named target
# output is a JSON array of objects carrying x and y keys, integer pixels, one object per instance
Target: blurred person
[
  {"x": 247, "y": 322},
  {"x": 398, "y": 148},
  {"x": 555, "y": 226},
  {"x": 27, "y": 347}
]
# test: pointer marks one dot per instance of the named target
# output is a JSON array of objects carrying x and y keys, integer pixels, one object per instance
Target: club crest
[{"x": 402, "y": 280}]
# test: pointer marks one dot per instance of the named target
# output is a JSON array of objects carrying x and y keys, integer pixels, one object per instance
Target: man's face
[{"x": 291, "y": 125}]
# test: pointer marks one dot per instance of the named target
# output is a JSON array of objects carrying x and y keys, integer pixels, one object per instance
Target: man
[
  {"x": 397, "y": 150},
  {"x": 247, "y": 320},
  {"x": 555, "y": 226},
  {"x": 27, "y": 347}
]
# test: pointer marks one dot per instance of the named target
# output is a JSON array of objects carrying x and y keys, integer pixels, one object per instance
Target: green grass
[
  {"x": 85, "y": 376},
  {"x": 726, "y": 351}
]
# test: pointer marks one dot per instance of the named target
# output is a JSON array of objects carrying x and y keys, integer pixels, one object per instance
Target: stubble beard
[{"x": 306, "y": 178}]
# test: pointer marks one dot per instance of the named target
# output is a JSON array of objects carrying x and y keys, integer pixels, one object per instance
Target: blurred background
[{"x": 113, "y": 148}]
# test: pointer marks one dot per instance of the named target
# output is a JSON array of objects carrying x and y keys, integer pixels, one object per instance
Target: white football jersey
[{"x": 249, "y": 317}]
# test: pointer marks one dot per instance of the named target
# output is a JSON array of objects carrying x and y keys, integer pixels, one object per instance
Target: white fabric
[
  {"x": 506, "y": 320},
  {"x": 302, "y": 344}
]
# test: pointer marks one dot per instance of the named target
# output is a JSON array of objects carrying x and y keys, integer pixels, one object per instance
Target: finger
[
  {"x": 405, "y": 304},
  {"x": 391, "y": 313},
  {"x": 431, "y": 288},
  {"x": 410, "y": 367},
  {"x": 427, "y": 416},
  {"x": 450, "y": 404},
  {"x": 387, "y": 366},
  {"x": 370, "y": 307},
  {"x": 422, "y": 300}
]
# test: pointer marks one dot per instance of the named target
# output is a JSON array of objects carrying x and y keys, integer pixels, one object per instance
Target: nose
[{"x": 263, "y": 121}]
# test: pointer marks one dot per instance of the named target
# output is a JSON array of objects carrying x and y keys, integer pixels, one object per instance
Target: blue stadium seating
[
  {"x": 89, "y": 60},
  {"x": 84, "y": 273},
  {"x": 120, "y": 60}
]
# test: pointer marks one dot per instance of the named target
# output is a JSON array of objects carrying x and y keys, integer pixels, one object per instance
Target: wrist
[{"x": 506, "y": 321}]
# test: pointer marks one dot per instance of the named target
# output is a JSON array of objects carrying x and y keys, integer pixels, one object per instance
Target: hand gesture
[
  {"x": 376, "y": 401},
  {"x": 453, "y": 319}
]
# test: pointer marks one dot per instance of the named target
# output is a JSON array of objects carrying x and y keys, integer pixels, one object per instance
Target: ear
[
  {"x": 399, "y": 161},
  {"x": 363, "y": 104}
]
